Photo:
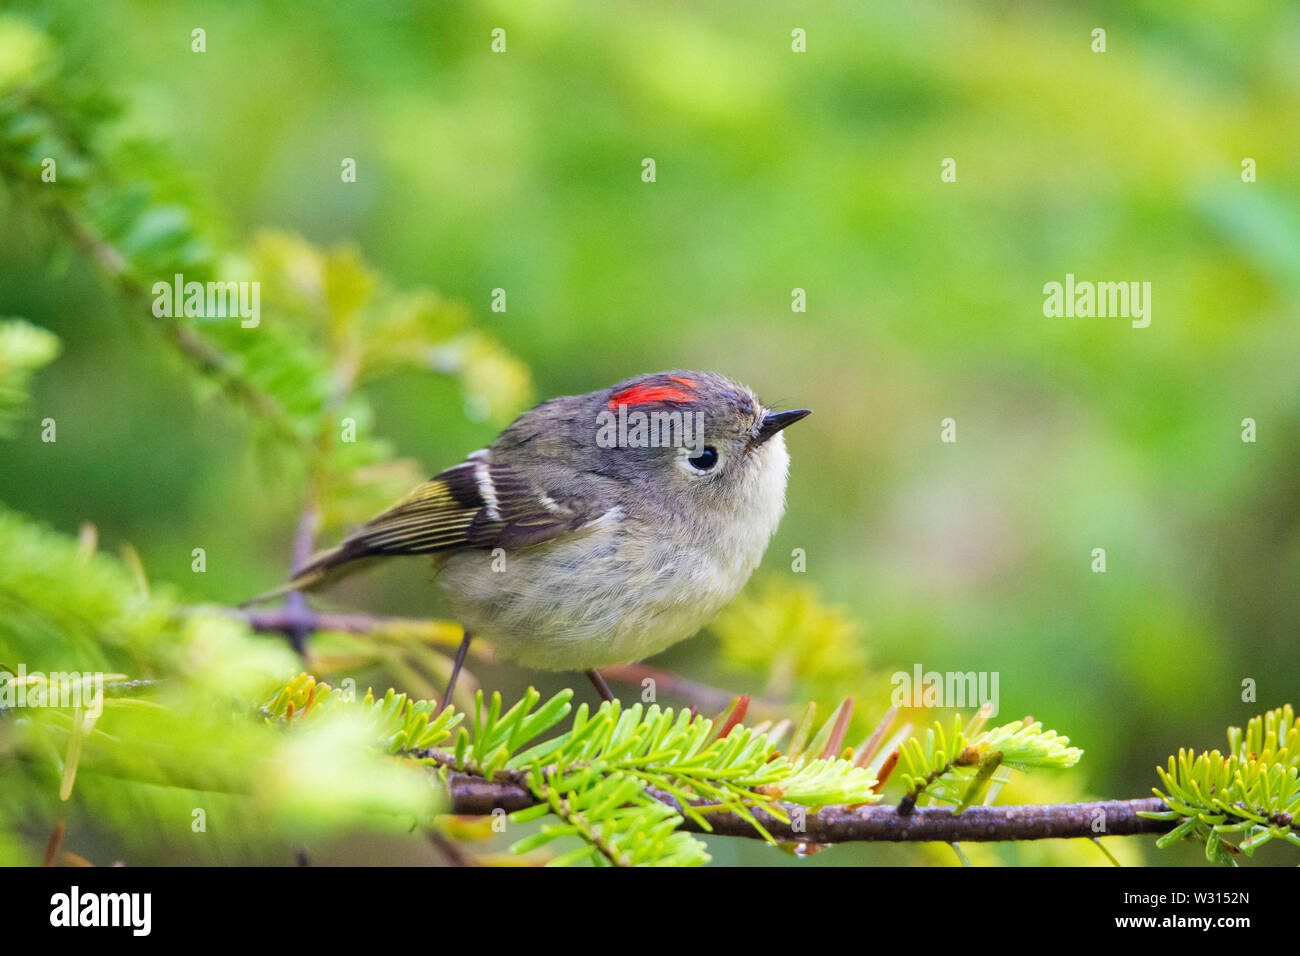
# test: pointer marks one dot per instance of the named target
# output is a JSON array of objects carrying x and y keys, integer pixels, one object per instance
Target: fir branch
[
  {"x": 205, "y": 355},
  {"x": 1251, "y": 793},
  {"x": 885, "y": 824},
  {"x": 956, "y": 766}
]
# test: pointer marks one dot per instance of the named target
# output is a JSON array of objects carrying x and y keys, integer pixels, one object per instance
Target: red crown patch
[{"x": 650, "y": 394}]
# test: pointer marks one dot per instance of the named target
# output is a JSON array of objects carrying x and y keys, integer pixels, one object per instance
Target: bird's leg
[
  {"x": 598, "y": 682},
  {"x": 456, "y": 666}
]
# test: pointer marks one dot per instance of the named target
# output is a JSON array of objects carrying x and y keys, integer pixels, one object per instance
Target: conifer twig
[{"x": 876, "y": 823}]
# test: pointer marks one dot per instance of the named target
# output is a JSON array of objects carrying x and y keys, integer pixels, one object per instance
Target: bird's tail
[{"x": 427, "y": 520}]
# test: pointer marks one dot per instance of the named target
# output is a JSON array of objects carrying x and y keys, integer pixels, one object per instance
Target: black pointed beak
[{"x": 775, "y": 421}]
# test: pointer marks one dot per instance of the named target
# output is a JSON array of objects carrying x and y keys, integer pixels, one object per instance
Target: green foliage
[
  {"x": 1250, "y": 794},
  {"x": 24, "y": 348},
  {"x": 172, "y": 734},
  {"x": 685, "y": 758},
  {"x": 617, "y": 823},
  {"x": 622, "y": 781},
  {"x": 348, "y": 329},
  {"x": 958, "y": 766},
  {"x": 399, "y": 723},
  {"x": 606, "y": 776},
  {"x": 327, "y": 324}
]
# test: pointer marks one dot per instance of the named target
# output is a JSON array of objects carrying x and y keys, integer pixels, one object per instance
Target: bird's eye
[{"x": 705, "y": 460}]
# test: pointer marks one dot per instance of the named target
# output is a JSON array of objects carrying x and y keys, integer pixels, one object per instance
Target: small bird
[{"x": 597, "y": 528}]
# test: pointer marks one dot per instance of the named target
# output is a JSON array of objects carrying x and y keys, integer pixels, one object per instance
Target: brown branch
[
  {"x": 475, "y": 796},
  {"x": 509, "y": 791}
]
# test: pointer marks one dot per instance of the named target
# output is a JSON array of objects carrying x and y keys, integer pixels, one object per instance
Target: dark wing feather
[{"x": 472, "y": 505}]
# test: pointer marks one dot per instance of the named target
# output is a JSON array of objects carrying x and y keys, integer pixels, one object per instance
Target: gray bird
[{"x": 597, "y": 528}]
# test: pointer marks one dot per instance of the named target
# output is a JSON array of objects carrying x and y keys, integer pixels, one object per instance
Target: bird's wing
[{"x": 476, "y": 504}]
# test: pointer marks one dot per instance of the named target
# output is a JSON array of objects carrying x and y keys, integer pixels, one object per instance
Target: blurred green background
[{"x": 775, "y": 171}]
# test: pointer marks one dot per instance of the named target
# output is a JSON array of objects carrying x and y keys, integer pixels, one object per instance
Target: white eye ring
[{"x": 707, "y": 462}]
